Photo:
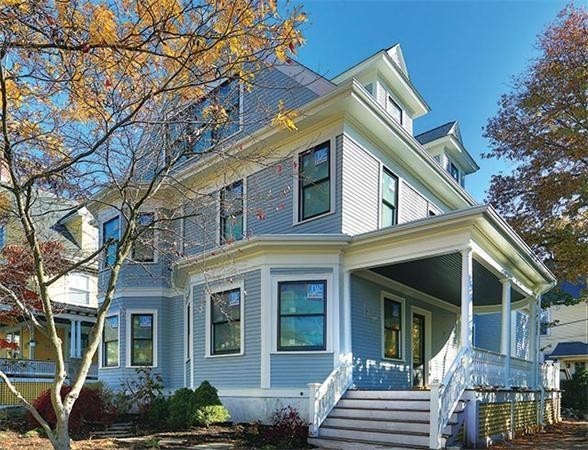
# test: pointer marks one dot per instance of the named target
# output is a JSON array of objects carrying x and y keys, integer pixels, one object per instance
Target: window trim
[
  {"x": 297, "y": 203},
  {"x": 383, "y": 169},
  {"x": 188, "y": 331},
  {"x": 219, "y": 237},
  {"x": 101, "y": 353},
  {"x": 155, "y": 259},
  {"x": 403, "y": 352},
  {"x": 390, "y": 100},
  {"x": 69, "y": 288},
  {"x": 103, "y": 264},
  {"x": 128, "y": 343},
  {"x": 208, "y": 317}
]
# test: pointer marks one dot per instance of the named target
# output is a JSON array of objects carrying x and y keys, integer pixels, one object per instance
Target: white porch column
[
  {"x": 505, "y": 335},
  {"x": 72, "y": 338},
  {"x": 79, "y": 339},
  {"x": 534, "y": 334},
  {"x": 467, "y": 306},
  {"x": 347, "y": 311}
]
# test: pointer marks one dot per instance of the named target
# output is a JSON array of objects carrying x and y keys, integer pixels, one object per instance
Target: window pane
[
  {"x": 111, "y": 328},
  {"x": 316, "y": 199},
  {"x": 142, "y": 352},
  {"x": 111, "y": 353},
  {"x": 227, "y": 337},
  {"x": 315, "y": 165},
  {"x": 143, "y": 248},
  {"x": 110, "y": 230},
  {"x": 394, "y": 110},
  {"x": 302, "y": 331},
  {"x": 391, "y": 344},
  {"x": 142, "y": 326},
  {"x": 392, "y": 314},
  {"x": 305, "y": 297},
  {"x": 389, "y": 187},
  {"x": 226, "y": 306},
  {"x": 388, "y": 215}
]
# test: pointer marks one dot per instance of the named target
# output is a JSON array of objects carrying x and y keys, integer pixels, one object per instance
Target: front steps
[{"x": 380, "y": 420}]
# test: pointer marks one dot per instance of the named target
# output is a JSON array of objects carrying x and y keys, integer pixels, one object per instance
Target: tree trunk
[{"x": 62, "y": 439}]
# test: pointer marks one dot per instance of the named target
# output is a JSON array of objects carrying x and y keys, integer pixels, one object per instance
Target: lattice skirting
[{"x": 30, "y": 390}]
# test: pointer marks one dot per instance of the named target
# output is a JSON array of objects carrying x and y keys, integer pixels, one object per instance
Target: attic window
[
  {"x": 394, "y": 109},
  {"x": 453, "y": 170}
]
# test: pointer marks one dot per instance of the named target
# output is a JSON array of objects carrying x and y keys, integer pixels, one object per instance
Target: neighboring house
[
  {"x": 32, "y": 367},
  {"x": 564, "y": 336},
  {"x": 359, "y": 276}
]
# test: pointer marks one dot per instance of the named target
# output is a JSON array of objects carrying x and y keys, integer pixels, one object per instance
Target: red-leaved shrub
[
  {"x": 287, "y": 430},
  {"x": 89, "y": 407}
]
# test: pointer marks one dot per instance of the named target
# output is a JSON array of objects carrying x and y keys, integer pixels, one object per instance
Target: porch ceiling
[{"x": 440, "y": 276}]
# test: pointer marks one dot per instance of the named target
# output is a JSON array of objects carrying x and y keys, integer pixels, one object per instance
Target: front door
[{"x": 418, "y": 350}]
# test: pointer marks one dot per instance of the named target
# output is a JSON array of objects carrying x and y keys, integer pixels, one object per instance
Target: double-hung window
[
  {"x": 225, "y": 323},
  {"x": 302, "y": 315},
  {"x": 110, "y": 342},
  {"x": 392, "y": 329},
  {"x": 110, "y": 232},
  {"x": 144, "y": 245},
  {"x": 389, "y": 206},
  {"x": 315, "y": 182},
  {"x": 394, "y": 109},
  {"x": 231, "y": 212},
  {"x": 78, "y": 288},
  {"x": 142, "y": 333}
]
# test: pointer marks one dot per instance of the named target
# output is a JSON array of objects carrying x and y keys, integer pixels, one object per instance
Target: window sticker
[
  {"x": 234, "y": 298},
  {"x": 315, "y": 291},
  {"x": 145, "y": 321},
  {"x": 321, "y": 155},
  {"x": 392, "y": 186}
]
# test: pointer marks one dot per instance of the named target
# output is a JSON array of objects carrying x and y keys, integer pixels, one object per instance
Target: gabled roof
[
  {"x": 439, "y": 132},
  {"x": 575, "y": 348}
]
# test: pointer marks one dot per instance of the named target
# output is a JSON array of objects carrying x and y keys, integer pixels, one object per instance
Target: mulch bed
[{"x": 562, "y": 436}]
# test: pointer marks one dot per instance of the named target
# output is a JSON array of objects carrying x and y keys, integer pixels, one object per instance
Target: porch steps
[
  {"x": 380, "y": 420},
  {"x": 115, "y": 431}
]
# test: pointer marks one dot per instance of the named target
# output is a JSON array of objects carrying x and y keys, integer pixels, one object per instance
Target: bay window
[
  {"x": 302, "y": 315},
  {"x": 110, "y": 338},
  {"x": 141, "y": 345},
  {"x": 225, "y": 322},
  {"x": 231, "y": 212},
  {"x": 314, "y": 182},
  {"x": 389, "y": 199},
  {"x": 392, "y": 329}
]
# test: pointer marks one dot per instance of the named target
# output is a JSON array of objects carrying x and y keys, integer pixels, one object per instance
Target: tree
[
  {"x": 102, "y": 102},
  {"x": 542, "y": 128}
]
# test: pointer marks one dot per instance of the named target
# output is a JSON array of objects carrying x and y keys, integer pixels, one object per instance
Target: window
[
  {"x": 143, "y": 247},
  {"x": 231, "y": 212},
  {"x": 142, "y": 340},
  {"x": 111, "y": 231},
  {"x": 453, "y": 170},
  {"x": 13, "y": 337},
  {"x": 389, "y": 198},
  {"x": 225, "y": 323},
  {"x": 392, "y": 329},
  {"x": 394, "y": 109},
  {"x": 2, "y": 235},
  {"x": 110, "y": 342},
  {"x": 544, "y": 322},
  {"x": 78, "y": 288},
  {"x": 301, "y": 315},
  {"x": 314, "y": 182},
  {"x": 213, "y": 128}
]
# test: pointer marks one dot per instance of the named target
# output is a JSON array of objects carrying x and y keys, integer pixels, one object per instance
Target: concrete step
[
  {"x": 388, "y": 395},
  {"x": 379, "y": 437},
  {"x": 355, "y": 444},
  {"x": 416, "y": 404}
]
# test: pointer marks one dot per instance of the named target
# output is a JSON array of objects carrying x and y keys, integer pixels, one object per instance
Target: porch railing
[
  {"x": 521, "y": 373},
  {"x": 549, "y": 375},
  {"x": 30, "y": 368},
  {"x": 488, "y": 368},
  {"x": 446, "y": 395},
  {"x": 323, "y": 397}
]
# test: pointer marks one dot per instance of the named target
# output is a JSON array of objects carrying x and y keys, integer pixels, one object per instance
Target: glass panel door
[{"x": 418, "y": 350}]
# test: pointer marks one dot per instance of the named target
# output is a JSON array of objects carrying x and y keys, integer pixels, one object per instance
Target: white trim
[
  {"x": 384, "y": 295},
  {"x": 329, "y": 307},
  {"x": 188, "y": 346},
  {"x": 428, "y": 341},
  {"x": 266, "y": 327},
  {"x": 143, "y": 292},
  {"x": 332, "y": 182},
  {"x": 101, "y": 352},
  {"x": 129, "y": 314},
  {"x": 208, "y": 335}
]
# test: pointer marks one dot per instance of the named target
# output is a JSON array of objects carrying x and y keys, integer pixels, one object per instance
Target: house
[
  {"x": 345, "y": 278},
  {"x": 31, "y": 366},
  {"x": 564, "y": 336}
]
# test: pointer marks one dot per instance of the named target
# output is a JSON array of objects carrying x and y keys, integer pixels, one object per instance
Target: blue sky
[{"x": 461, "y": 55}]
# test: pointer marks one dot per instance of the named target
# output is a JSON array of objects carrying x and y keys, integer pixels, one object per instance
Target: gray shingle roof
[
  {"x": 436, "y": 133},
  {"x": 569, "y": 349}
]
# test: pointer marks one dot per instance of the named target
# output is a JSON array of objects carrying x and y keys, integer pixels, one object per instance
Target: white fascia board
[{"x": 466, "y": 156}]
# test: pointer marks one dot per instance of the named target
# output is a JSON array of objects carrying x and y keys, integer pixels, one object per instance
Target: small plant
[
  {"x": 182, "y": 409},
  {"x": 206, "y": 395},
  {"x": 287, "y": 430},
  {"x": 142, "y": 390},
  {"x": 31, "y": 434},
  {"x": 207, "y": 415}
]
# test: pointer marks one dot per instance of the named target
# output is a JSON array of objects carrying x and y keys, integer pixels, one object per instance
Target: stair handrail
[
  {"x": 445, "y": 395},
  {"x": 323, "y": 397}
]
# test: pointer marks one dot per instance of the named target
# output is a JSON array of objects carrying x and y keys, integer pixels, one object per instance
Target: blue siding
[
  {"x": 371, "y": 371},
  {"x": 242, "y": 371},
  {"x": 487, "y": 328},
  {"x": 291, "y": 370}
]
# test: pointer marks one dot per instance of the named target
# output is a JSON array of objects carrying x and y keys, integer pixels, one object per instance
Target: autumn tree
[
  {"x": 541, "y": 128},
  {"x": 97, "y": 105}
]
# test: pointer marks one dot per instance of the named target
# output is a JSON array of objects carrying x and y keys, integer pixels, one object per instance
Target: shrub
[
  {"x": 182, "y": 409},
  {"x": 575, "y": 392},
  {"x": 142, "y": 390},
  {"x": 89, "y": 407},
  {"x": 157, "y": 416},
  {"x": 287, "y": 430},
  {"x": 206, "y": 395},
  {"x": 207, "y": 415}
]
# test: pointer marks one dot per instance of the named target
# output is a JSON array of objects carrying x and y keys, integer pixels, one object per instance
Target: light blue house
[{"x": 352, "y": 276}]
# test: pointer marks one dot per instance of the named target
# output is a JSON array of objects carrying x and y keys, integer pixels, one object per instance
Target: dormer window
[
  {"x": 454, "y": 171},
  {"x": 394, "y": 109}
]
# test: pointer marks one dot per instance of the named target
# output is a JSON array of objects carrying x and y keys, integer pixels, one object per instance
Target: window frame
[
  {"x": 391, "y": 101},
  {"x": 155, "y": 241},
  {"x": 208, "y": 317},
  {"x": 188, "y": 331},
  {"x": 103, "y": 348},
  {"x": 220, "y": 224},
  {"x": 104, "y": 264},
  {"x": 298, "y": 349},
  {"x": 384, "y": 202},
  {"x": 129, "y": 340},
  {"x": 299, "y": 191},
  {"x": 77, "y": 290},
  {"x": 387, "y": 296}
]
